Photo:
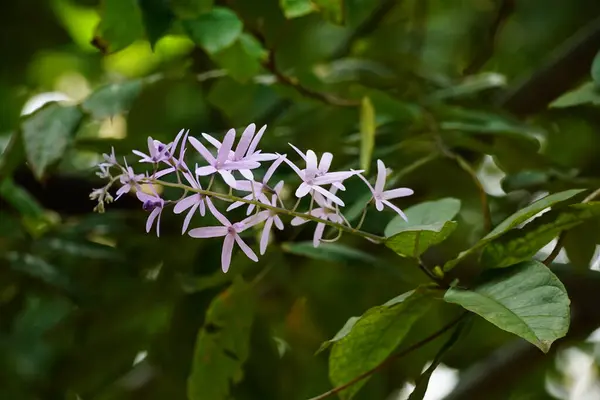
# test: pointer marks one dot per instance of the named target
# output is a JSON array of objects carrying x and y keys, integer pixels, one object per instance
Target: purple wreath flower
[
  {"x": 129, "y": 180},
  {"x": 194, "y": 202},
  {"x": 270, "y": 217},
  {"x": 154, "y": 205},
  {"x": 326, "y": 211}
]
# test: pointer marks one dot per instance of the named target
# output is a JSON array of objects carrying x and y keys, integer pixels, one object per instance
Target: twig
[
  {"x": 271, "y": 65},
  {"x": 561, "y": 238},
  {"x": 505, "y": 9},
  {"x": 392, "y": 358}
]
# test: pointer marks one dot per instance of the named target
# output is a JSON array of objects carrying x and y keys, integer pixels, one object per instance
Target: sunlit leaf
[
  {"x": 121, "y": 25},
  {"x": 215, "y": 30},
  {"x": 112, "y": 99},
  {"x": 522, "y": 244},
  {"x": 157, "y": 18},
  {"x": 296, "y": 8},
  {"x": 373, "y": 337},
  {"x": 332, "y": 10},
  {"x": 516, "y": 219},
  {"x": 47, "y": 133},
  {"x": 222, "y": 345},
  {"x": 243, "y": 59},
  {"x": 367, "y": 133},
  {"x": 526, "y": 299},
  {"x": 428, "y": 224}
]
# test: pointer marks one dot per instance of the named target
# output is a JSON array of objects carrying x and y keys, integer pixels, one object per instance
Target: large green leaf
[
  {"x": 222, "y": 345},
  {"x": 521, "y": 244},
  {"x": 243, "y": 59},
  {"x": 121, "y": 25},
  {"x": 428, "y": 224},
  {"x": 191, "y": 8},
  {"x": 112, "y": 99},
  {"x": 514, "y": 220},
  {"x": 12, "y": 155},
  {"x": 215, "y": 30},
  {"x": 526, "y": 299},
  {"x": 596, "y": 69},
  {"x": 20, "y": 199},
  {"x": 367, "y": 133},
  {"x": 580, "y": 243},
  {"x": 332, "y": 10},
  {"x": 296, "y": 8},
  {"x": 47, "y": 134},
  {"x": 373, "y": 337},
  {"x": 157, "y": 18},
  {"x": 588, "y": 93}
]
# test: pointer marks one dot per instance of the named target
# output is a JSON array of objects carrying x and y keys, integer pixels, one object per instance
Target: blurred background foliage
[{"x": 93, "y": 308}]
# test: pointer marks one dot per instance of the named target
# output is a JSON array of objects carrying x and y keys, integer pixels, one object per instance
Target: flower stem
[{"x": 283, "y": 211}]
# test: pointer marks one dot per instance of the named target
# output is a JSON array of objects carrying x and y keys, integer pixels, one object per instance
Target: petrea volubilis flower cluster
[{"x": 235, "y": 166}]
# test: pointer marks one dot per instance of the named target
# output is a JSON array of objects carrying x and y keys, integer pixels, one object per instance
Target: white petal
[
  {"x": 298, "y": 221},
  {"x": 208, "y": 232},
  {"x": 226, "y": 252},
  {"x": 151, "y": 147},
  {"x": 235, "y": 205},
  {"x": 228, "y": 178},
  {"x": 325, "y": 162},
  {"x": 303, "y": 190},
  {"x": 246, "y": 173},
  {"x": 256, "y": 140},
  {"x": 381, "y": 172},
  {"x": 202, "y": 208},
  {"x": 393, "y": 207},
  {"x": 278, "y": 222},
  {"x": 311, "y": 164},
  {"x": 395, "y": 193},
  {"x": 318, "y": 234},
  {"x": 264, "y": 237},
  {"x": 206, "y": 170},
  {"x": 329, "y": 195},
  {"x": 378, "y": 205},
  {"x": 237, "y": 165},
  {"x": 245, "y": 248}
]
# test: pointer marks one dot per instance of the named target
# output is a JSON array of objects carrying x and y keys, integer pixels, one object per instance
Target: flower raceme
[{"x": 236, "y": 166}]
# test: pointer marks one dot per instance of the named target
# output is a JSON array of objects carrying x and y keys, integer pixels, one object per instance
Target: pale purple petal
[
  {"x": 235, "y": 205},
  {"x": 250, "y": 208},
  {"x": 325, "y": 162},
  {"x": 303, "y": 190},
  {"x": 272, "y": 168},
  {"x": 143, "y": 197},
  {"x": 202, "y": 150},
  {"x": 338, "y": 185},
  {"x": 246, "y": 173},
  {"x": 393, "y": 207},
  {"x": 191, "y": 180},
  {"x": 208, "y": 232},
  {"x": 244, "y": 142},
  {"x": 378, "y": 204},
  {"x": 226, "y": 252},
  {"x": 256, "y": 140},
  {"x": 245, "y": 248},
  {"x": 228, "y": 178},
  {"x": 211, "y": 140},
  {"x": 318, "y": 234},
  {"x": 367, "y": 182},
  {"x": 264, "y": 237},
  {"x": 331, "y": 177},
  {"x": 173, "y": 145},
  {"x": 237, "y": 165},
  {"x": 278, "y": 188},
  {"x": 186, "y": 203},
  {"x": 381, "y": 172},
  {"x": 298, "y": 221},
  {"x": 278, "y": 222},
  {"x": 262, "y": 157},
  {"x": 202, "y": 208},
  {"x": 122, "y": 190},
  {"x": 300, "y": 153},
  {"x": 295, "y": 168},
  {"x": 139, "y": 153},
  {"x": 151, "y": 219},
  {"x": 206, "y": 170},
  {"x": 311, "y": 164},
  {"x": 225, "y": 148},
  {"x": 164, "y": 172},
  {"x": 188, "y": 218},
  {"x": 151, "y": 147},
  {"x": 395, "y": 193},
  {"x": 329, "y": 195},
  {"x": 253, "y": 220},
  {"x": 335, "y": 218},
  {"x": 213, "y": 210}
]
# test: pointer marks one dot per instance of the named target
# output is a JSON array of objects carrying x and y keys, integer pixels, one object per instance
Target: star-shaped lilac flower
[
  {"x": 194, "y": 202},
  {"x": 129, "y": 180},
  {"x": 153, "y": 204},
  {"x": 270, "y": 217},
  {"x": 326, "y": 211},
  {"x": 230, "y": 232},
  {"x": 221, "y": 164},
  {"x": 381, "y": 196}
]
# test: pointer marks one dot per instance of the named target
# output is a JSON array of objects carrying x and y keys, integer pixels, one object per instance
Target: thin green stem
[
  {"x": 362, "y": 217},
  {"x": 283, "y": 211}
]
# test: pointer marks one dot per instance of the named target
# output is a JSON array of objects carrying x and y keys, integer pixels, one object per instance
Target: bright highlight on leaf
[
  {"x": 526, "y": 299},
  {"x": 367, "y": 133},
  {"x": 215, "y": 30}
]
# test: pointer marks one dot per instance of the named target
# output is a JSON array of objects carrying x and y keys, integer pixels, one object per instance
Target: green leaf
[
  {"x": 222, "y": 345},
  {"x": 157, "y": 18},
  {"x": 428, "y": 224},
  {"x": 296, "y": 8},
  {"x": 191, "y": 8},
  {"x": 367, "y": 133},
  {"x": 20, "y": 199},
  {"x": 13, "y": 154},
  {"x": 596, "y": 69},
  {"x": 242, "y": 60},
  {"x": 342, "y": 333},
  {"x": 373, "y": 337},
  {"x": 471, "y": 85},
  {"x": 112, "y": 99},
  {"x": 580, "y": 243},
  {"x": 328, "y": 252},
  {"x": 47, "y": 134},
  {"x": 526, "y": 299},
  {"x": 514, "y": 220},
  {"x": 422, "y": 382},
  {"x": 588, "y": 93},
  {"x": 215, "y": 30},
  {"x": 332, "y": 10},
  {"x": 38, "y": 268},
  {"x": 522, "y": 244},
  {"x": 121, "y": 25}
]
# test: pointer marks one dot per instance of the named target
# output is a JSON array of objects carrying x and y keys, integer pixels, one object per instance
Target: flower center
[{"x": 150, "y": 205}]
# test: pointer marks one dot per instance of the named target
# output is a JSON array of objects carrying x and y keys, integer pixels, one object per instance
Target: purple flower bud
[{"x": 150, "y": 205}]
